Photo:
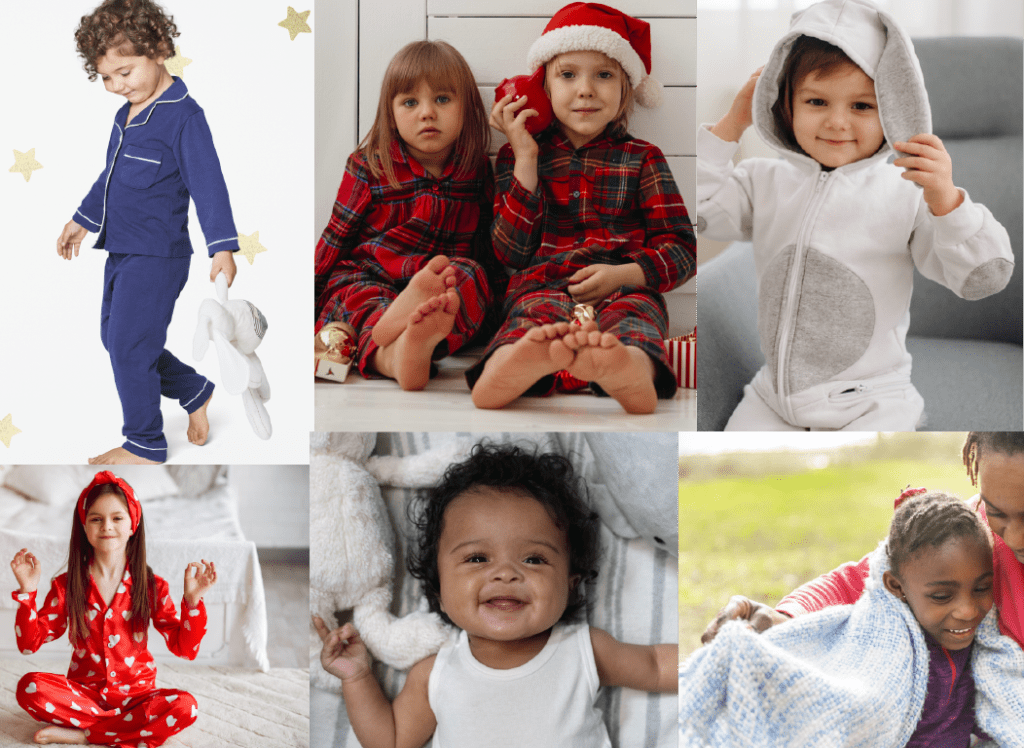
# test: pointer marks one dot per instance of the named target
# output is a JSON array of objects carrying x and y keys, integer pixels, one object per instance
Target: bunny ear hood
[{"x": 877, "y": 44}]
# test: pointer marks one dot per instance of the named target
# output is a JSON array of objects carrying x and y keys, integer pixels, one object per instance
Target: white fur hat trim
[{"x": 597, "y": 39}]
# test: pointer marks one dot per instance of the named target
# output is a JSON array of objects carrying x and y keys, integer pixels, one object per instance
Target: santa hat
[{"x": 592, "y": 27}]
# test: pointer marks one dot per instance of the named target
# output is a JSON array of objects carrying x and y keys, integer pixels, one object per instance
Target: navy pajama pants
[{"x": 139, "y": 292}]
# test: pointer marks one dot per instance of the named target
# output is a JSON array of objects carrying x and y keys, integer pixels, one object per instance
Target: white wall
[
  {"x": 273, "y": 504},
  {"x": 256, "y": 88}
]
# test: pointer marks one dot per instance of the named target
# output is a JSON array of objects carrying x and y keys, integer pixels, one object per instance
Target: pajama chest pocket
[
  {"x": 139, "y": 167},
  {"x": 615, "y": 189}
]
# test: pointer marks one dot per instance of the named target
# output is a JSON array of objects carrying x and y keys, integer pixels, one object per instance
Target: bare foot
[
  {"x": 198, "y": 425},
  {"x": 65, "y": 735},
  {"x": 120, "y": 456},
  {"x": 624, "y": 372},
  {"x": 512, "y": 369},
  {"x": 432, "y": 280},
  {"x": 407, "y": 359}
]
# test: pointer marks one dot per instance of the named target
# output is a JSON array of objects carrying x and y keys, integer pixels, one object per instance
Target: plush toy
[
  {"x": 353, "y": 548},
  {"x": 236, "y": 328}
]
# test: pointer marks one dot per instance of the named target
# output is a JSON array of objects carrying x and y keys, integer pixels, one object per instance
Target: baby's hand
[
  {"x": 70, "y": 239},
  {"x": 26, "y": 570},
  {"x": 509, "y": 118},
  {"x": 344, "y": 655},
  {"x": 594, "y": 283},
  {"x": 199, "y": 578},
  {"x": 758, "y": 616},
  {"x": 223, "y": 262},
  {"x": 930, "y": 166},
  {"x": 739, "y": 117}
]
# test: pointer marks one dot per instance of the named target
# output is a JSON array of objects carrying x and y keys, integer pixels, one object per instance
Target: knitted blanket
[{"x": 852, "y": 675}]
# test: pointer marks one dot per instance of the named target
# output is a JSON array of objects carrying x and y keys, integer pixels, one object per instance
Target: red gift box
[{"x": 682, "y": 357}]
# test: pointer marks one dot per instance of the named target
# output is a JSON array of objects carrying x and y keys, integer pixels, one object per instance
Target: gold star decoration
[
  {"x": 176, "y": 65},
  {"x": 25, "y": 163},
  {"x": 7, "y": 430},
  {"x": 296, "y": 23},
  {"x": 250, "y": 246}
]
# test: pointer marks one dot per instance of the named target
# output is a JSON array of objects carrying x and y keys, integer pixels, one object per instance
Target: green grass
[{"x": 763, "y": 537}]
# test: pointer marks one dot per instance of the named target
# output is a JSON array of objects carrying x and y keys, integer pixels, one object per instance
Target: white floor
[{"x": 380, "y": 405}]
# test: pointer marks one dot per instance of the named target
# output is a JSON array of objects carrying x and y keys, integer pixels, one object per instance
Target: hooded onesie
[{"x": 835, "y": 249}]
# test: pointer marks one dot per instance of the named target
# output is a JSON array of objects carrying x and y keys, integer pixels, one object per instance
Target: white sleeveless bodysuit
[{"x": 546, "y": 703}]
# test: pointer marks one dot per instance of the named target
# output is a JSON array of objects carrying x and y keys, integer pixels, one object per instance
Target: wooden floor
[{"x": 380, "y": 405}]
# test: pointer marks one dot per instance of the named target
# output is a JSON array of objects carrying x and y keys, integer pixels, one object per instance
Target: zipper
[
  {"x": 792, "y": 293},
  {"x": 880, "y": 386}
]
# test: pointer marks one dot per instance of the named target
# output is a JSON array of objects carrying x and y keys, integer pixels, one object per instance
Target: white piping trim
[
  {"x": 83, "y": 215},
  {"x": 151, "y": 449},
  {"x": 140, "y": 158},
  {"x": 185, "y": 405},
  {"x": 221, "y": 241},
  {"x": 153, "y": 108},
  {"x": 106, "y": 185}
]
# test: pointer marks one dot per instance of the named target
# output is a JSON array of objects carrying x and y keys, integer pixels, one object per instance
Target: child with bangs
[
  {"x": 403, "y": 267},
  {"x": 585, "y": 214},
  {"x": 861, "y": 195}
]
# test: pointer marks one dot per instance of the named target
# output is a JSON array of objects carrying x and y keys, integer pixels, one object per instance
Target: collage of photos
[{"x": 498, "y": 515}]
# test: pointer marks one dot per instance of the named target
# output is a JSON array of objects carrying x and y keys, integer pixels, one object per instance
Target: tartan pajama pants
[
  {"x": 636, "y": 316},
  {"x": 359, "y": 298}
]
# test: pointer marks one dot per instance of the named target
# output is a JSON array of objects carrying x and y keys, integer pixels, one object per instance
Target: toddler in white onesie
[
  {"x": 837, "y": 230},
  {"x": 506, "y": 546}
]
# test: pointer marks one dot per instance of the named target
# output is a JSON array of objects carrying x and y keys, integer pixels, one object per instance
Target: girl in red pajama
[
  {"x": 106, "y": 600},
  {"x": 405, "y": 266}
]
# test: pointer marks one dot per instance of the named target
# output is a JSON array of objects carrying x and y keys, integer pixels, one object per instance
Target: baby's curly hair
[
  {"x": 548, "y": 478},
  {"x": 140, "y": 26}
]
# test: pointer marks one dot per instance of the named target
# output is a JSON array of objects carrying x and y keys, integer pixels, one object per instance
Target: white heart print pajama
[{"x": 110, "y": 689}]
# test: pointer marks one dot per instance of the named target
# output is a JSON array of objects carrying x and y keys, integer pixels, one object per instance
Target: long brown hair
[
  {"x": 80, "y": 555},
  {"x": 443, "y": 68}
]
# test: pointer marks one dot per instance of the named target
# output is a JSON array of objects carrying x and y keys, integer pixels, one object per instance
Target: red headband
[
  {"x": 907, "y": 493},
  {"x": 134, "y": 508}
]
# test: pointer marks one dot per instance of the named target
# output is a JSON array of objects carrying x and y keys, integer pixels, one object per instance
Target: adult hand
[
  {"x": 70, "y": 239},
  {"x": 26, "y": 570},
  {"x": 758, "y": 616},
  {"x": 343, "y": 655},
  {"x": 930, "y": 166},
  {"x": 739, "y": 116}
]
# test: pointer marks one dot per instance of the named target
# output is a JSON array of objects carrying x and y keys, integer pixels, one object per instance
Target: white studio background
[
  {"x": 256, "y": 87},
  {"x": 735, "y": 37}
]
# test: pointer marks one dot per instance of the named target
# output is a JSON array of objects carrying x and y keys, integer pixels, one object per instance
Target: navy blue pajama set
[{"x": 139, "y": 207}]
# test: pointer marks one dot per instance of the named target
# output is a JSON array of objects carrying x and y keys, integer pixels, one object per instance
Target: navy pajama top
[{"x": 139, "y": 204}]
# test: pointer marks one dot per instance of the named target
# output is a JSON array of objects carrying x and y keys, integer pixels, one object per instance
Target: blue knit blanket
[{"x": 851, "y": 675}]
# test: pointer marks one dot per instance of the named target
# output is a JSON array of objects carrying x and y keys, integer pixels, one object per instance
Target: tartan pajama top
[
  {"x": 392, "y": 231},
  {"x": 612, "y": 201},
  {"x": 154, "y": 164},
  {"x": 113, "y": 659}
]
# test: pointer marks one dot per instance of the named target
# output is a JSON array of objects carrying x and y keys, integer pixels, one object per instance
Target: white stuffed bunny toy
[
  {"x": 236, "y": 328},
  {"x": 352, "y": 543}
]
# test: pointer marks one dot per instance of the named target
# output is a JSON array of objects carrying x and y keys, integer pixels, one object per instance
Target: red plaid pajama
[
  {"x": 613, "y": 202},
  {"x": 380, "y": 235}
]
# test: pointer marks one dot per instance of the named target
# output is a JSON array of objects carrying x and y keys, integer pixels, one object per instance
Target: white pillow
[
  {"x": 56, "y": 485},
  {"x": 148, "y": 481}
]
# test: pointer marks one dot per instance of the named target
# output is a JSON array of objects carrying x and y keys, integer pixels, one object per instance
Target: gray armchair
[{"x": 968, "y": 362}]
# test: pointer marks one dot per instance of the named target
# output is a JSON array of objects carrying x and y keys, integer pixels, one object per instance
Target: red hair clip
[{"x": 907, "y": 493}]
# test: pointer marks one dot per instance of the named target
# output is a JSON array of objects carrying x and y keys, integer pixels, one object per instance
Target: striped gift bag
[{"x": 682, "y": 357}]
